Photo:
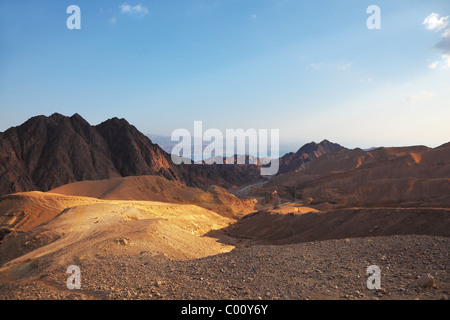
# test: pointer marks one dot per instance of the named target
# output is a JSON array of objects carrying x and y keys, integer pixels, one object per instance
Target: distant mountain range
[
  {"x": 288, "y": 162},
  {"x": 167, "y": 145},
  {"x": 396, "y": 176},
  {"x": 46, "y": 152}
]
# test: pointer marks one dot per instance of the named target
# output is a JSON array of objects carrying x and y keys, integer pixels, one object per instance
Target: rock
[
  {"x": 123, "y": 241},
  {"x": 4, "y": 231},
  {"x": 426, "y": 280},
  {"x": 382, "y": 291}
]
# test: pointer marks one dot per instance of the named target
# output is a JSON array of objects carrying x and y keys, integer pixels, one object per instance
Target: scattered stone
[
  {"x": 382, "y": 291},
  {"x": 426, "y": 280}
]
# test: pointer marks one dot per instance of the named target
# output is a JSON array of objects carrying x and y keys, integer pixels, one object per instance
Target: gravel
[{"x": 331, "y": 269}]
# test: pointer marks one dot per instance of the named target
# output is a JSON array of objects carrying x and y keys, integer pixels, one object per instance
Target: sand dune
[
  {"x": 126, "y": 215},
  {"x": 22, "y": 212},
  {"x": 88, "y": 227},
  {"x": 155, "y": 188}
]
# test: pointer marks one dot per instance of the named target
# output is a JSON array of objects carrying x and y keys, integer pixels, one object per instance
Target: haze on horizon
[{"x": 309, "y": 68}]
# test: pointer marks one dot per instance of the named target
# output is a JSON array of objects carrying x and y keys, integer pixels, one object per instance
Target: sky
[{"x": 312, "y": 69}]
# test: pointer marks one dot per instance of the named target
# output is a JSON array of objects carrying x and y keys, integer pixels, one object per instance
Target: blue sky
[{"x": 309, "y": 68}]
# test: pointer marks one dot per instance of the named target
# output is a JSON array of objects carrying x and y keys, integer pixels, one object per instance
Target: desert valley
[{"x": 107, "y": 199}]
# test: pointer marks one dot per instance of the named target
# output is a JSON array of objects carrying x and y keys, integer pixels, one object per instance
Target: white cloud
[
  {"x": 423, "y": 95},
  {"x": 433, "y": 65},
  {"x": 125, "y": 8},
  {"x": 344, "y": 67},
  {"x": 436, "y": 23},
  {"x": 446, "y": 63},
  {"x": 316, "y": 65},
  {"x": 137, "y": 9},
  {"x": 433, "y": 22},
  {"x": 446, "y": 33},
  {"x": 253, "y": 16},
  {"x": 444, "y": 44}
]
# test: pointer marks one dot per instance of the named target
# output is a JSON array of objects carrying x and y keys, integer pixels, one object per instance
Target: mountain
[
  {"x": 47, "y": 152},
  {"x": 402, "y": 176},
  {"x": 132, "y": 153},
  {"x": 167, "y": 145},
  {"x": 310, "y": 151}
]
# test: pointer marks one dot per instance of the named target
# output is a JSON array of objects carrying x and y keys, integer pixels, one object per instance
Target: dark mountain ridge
[
  {"x": 46, "y": 152},
  {"x": 310, "y": 151}
]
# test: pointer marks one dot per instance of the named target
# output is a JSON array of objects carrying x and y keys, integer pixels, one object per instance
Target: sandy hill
[
  {"x": 155, "y": 188},
  {"x": 406, "y": 176},
  {"x": 54, "y": 226}
]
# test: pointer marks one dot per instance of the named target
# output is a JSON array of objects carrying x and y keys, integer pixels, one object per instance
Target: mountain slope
[
  {"x": 47, "y": 152},
  {"x": 406, "y": 176},
  {"x": 293, "y": 161},
  {"x": 132, "y": 153}
]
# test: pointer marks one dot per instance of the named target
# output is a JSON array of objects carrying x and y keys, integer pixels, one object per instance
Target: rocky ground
[{"x": 331, "y": 269}]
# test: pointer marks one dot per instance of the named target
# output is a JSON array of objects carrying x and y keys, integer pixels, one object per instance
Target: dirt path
[{"x": 242, "y": 192}]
